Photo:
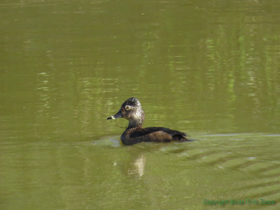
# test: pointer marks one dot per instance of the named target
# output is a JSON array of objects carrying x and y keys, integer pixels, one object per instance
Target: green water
[{"x": 207, "y": 68}]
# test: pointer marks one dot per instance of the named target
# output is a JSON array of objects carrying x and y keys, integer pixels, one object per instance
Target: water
[{"x": 210, "y": 69}]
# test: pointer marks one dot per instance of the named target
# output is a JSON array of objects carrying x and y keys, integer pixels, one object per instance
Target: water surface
[{"x": 209, "y": 68}]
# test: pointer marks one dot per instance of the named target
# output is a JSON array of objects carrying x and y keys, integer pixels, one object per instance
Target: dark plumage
[{"x": 132, "y": 110}]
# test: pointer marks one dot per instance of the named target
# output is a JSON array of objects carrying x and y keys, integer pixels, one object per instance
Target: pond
[{"x": 207, "y": 68}]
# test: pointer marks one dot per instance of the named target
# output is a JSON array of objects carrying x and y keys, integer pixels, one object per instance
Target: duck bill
[{"x": 116, "y": 116}]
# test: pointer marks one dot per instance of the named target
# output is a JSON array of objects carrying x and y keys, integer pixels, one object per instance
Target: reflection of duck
[
  {"x": 140, "y": 165},
  {"x": 132, "y": 110}
]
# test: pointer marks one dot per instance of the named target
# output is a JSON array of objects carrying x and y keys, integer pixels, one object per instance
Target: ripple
[{"x": 108, "y": 141}]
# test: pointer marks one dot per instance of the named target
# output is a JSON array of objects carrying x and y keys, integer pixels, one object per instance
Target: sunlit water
[
  {"x": 210, "y": 69},
  {"x": 105, "y": 174}
]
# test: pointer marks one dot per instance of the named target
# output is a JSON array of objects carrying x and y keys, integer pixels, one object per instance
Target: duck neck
[
  {"x": 137, "y": 119},
  {"x": 134, "y": 124}
]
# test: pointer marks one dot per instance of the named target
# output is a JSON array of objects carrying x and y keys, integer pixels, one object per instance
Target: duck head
[{"x": 131, "y": 110}]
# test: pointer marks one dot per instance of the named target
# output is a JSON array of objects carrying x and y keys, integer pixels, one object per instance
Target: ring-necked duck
[{"x": 132, "y": 110}]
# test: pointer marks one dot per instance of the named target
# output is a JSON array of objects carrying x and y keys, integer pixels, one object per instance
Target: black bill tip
[{"x": 111, "y": 118}]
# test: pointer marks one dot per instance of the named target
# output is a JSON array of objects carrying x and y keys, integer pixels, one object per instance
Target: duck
[{"x": 132, "y": 110}]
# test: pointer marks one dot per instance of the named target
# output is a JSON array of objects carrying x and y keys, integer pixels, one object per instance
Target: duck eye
[{"x": 127, "y": 107}]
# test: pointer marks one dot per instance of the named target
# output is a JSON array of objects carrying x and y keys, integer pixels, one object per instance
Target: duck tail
[{"x": 182, "y": 138}]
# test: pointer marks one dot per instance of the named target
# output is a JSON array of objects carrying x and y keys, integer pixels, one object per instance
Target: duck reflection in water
[{"x": 132, "y": 110}]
